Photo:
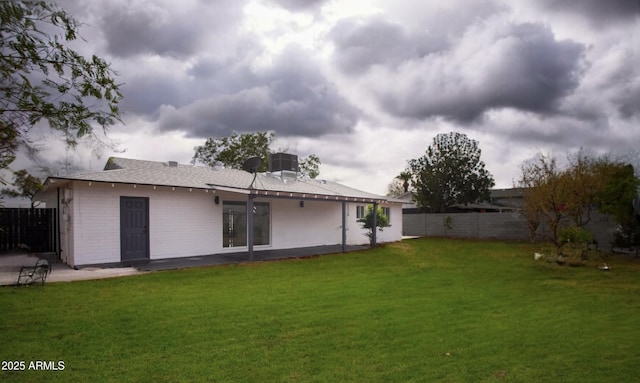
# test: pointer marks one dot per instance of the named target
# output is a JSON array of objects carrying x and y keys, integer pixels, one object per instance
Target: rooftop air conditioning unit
[{"x": 284, "y": 165}]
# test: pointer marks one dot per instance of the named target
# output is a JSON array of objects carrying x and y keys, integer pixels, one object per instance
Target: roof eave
[
  {"x": 61, "y": 181},
  {"x": 313, "y": 196}
]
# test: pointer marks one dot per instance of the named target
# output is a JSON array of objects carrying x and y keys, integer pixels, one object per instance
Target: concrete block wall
[
  {"x": 603, "y": 228},
  {"x": 508, "y": 226}
]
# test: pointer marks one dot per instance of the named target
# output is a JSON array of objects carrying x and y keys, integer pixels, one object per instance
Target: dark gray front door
[{"x": 134, "y": 228}]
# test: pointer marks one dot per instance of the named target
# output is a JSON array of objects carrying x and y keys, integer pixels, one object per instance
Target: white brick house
[{"x": 142, "y": 210}]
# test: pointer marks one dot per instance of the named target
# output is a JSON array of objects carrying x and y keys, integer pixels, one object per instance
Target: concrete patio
[{"x": 10, "y": 264}]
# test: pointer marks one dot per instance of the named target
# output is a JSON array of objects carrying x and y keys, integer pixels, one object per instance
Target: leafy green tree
[
  {"x": 232, "y": 151},
  {"x": 42, "y": 79},
  {"x": 543, "y": 198},
  {"x": 310, "y": 166},
  {"x": 616, "y": 198},
  {"x": 395, "y": 188},
  {"x": 450, "y": 173},
  {"x": 564, "y": 198},
  {"x": 25, "y": 186},
  {"x": 366, "y": 221},
  {"x": 400, "y": 183},
  {"x": 619, "y": 189},
  {"x": 582, "y": 181},
  {"x": 405, "y": 177}
]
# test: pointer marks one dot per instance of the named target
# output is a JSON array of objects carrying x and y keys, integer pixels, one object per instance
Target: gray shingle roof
[{"x": 130, "y": 171}]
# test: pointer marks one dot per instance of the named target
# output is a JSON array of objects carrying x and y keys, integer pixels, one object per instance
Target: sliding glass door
[{"x": 234, "y": 224}]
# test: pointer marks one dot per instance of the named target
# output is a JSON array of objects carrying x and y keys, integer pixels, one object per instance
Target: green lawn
[{"x": 429, "y": 310}]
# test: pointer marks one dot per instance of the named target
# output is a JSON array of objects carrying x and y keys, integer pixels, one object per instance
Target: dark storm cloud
[
  {"x": 624, "y": 84},
  {"x": 299, "y": 5},
  {"x": 135, "y": 31},
  {"x": 597, "y": 11},
  {"x": 362, "y": 44},
  {"x": 132, "y": 28},
  {"x": 291, "y": 97},
  {"x": 561, "y": 134},
  {"x": 216, "y": 77},
  {"x": 629, "y": 102},
  {"x": 610, "y": 87},
  {"x": 143, "y": 95},
  {"x": 165, "y": 81},
  {"x": 518, "y": 66}
]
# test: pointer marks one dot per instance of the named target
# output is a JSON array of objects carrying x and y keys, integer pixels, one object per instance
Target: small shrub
[
  {"x": 575, "y": 242},
  {"x": 366, "y": 222}
]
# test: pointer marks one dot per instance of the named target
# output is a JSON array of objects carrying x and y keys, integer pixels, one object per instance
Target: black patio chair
[{"x": 32, "y": 274}]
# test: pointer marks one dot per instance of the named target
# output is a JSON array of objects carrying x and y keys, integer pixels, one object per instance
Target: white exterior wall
[
  {"x": 356, "y": 234},
  {"x": 393, "y": 233},
  {"x": 320, "y": 223},
  {"x": 181, "y": 222},
  {"x": 315, "y": 224},
  {"x": 185, "y": 223}
]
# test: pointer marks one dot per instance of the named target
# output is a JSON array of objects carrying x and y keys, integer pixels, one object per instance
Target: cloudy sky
[{"x": 366, "y": 85}]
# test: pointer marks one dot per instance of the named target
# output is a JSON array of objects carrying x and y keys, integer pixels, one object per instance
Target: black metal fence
[{"x": 33, "y": 230}]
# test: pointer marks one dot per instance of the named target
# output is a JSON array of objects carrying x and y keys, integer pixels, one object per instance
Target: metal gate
[{"x": 33, "y": 230}]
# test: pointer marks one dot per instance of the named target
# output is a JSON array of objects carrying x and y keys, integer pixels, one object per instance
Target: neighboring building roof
[
  {"x": 507, "y": 193},
  {"x": 501, "y": 199},
  {"x": 484, "y": 206},
  {"x": 510, "y": 198},
  {"x": 131, "y": 171},
  {"x": 406, "y": 196},
  {"x": 407, "y": 200}
]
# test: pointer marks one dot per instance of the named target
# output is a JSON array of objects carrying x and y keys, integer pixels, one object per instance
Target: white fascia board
[{"x": 228, "y": 189}]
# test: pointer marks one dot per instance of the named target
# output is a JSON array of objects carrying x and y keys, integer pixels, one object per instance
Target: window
[
  {"x": 234, "y": 223},
  {"x": 361, "y": 211}
]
